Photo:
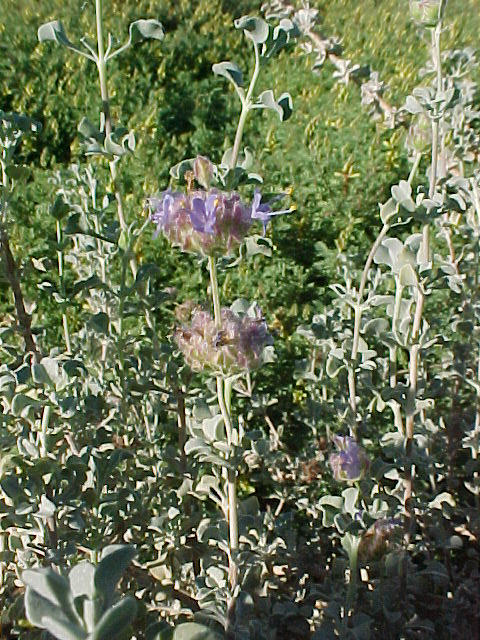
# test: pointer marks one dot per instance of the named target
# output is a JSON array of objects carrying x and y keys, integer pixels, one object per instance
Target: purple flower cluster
[
  {"x": 209, "y": 222},
  {"x": 351, "y": 462},
  {"x": 234, "y": 348}
]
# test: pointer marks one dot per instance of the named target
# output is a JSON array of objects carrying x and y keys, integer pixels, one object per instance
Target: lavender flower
[
  {"x": 264, "y": 211},
  {"x": 234, "y": 348},
  {"x": 162, "y": 208},
  {"x": 203, "y": 215},
  {"x": 351, "y": 463}
]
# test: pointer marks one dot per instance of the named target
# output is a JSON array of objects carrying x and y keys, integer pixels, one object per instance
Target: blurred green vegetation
[{"x": 168, "y": 95}]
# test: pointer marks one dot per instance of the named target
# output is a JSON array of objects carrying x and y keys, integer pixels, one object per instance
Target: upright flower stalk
[
  {"x": 214, "y": 222},
  {"x": 224, "y": 401},
  {"x": 222, "y": 385},
  {"x": 420, "y": 295},
  {"x": 358, "y": 311},
  {"x": 102, "y": 76}
]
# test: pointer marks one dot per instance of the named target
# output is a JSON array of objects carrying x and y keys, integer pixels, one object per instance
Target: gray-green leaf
[
  {"x": 115, "y": 559},
  {"x": 254, "y": 28},
  {"x": 283, "y": 106},
  {"x": 145, "y": 29},
  {"x": 55, "y": 31},
  {"x": 114, "y": 621},
  {"x": 229, "y": 70},
  {"x": 194, "y": 631}
]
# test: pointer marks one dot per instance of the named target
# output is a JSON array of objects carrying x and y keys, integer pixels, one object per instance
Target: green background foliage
[{"x": 167, "y": 94}]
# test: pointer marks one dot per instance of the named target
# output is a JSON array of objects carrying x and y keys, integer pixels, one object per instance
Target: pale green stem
[
  {"x": 66, "y": 332},
  {"x": 102, "y": 75},
  {"x": 103, "y": 275},
  {"x": 231, "y": 484},
  {"x": 120, "y": 341},
  {"x": 352, "y": 584},
  {"x": 239, "y": 135},
  {"x": 224, "y": 400},
  {"x": 224, "y": 387},
  {"x": 397, "y": 414},
  {"x": 358, "y": 307},
  {"x": 102, "y": 72},
  {"x": 214, "y": 291},
  {"x": 44, "y": 429},
  {"x": 417, "y": 321},
  {"x": 246, "y": 105}
]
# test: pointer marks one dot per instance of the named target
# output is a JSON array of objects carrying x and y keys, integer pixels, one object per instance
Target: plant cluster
[{"x": 149, "y": 485}]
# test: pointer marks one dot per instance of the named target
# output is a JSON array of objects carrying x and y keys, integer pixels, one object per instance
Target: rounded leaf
[
  {"x": 254, "y": 28},
  {"x": 145, "y": 29},
  {"x": 229, "y": 70},
  {"x": 115, "y": 559},
  {"x": 114, "y": 621},
  {"x": 55, "y": 31}
]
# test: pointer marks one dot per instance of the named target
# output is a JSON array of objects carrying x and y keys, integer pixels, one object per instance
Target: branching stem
[
  {"x": 102, "y": 75},
  {"x": 23, "y": 318},
  {"x": 358, "y": 307},
  {"x": 420, "y": 302},
  {"x": 246, "y": 106}
]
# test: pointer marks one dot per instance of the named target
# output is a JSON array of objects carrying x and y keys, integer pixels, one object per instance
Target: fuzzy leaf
[
  {"x": 350, "y": 497},
  {"x": 81, "y": 579},
  {"x": 146, "y": 29},
  {"x": 114, "y": 621},
  {"x": 49, "y": 584},
  {"x": 407, "y": 276},
  {"x": 229, "y": 70},
  {"x": 55, "y": 31},
  {"x": 63, "y": 629},
  {"x": 258, "y": 244},
  {"x": 194, "y": 631},
  {"x": 88, "y": 130},
  {"x": 37, "y": 608},
  {"x": 115, "y": 559},
  {"x": 283, "y": 106},
  {"x": 23, "y": 404},
  {"x": 413, "y": 106},
  {"x": 254, "y": 28}
]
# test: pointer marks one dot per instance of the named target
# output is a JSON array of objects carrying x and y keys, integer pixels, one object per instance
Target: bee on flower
[{"x": 236, "y": 347}]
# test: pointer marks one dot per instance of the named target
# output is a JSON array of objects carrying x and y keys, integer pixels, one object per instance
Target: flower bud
[
  {"x": 425, "y": 12},
  {"x": 203, "y": 171},
  {"x": 351, "y": 462},
  {"x": 237, "y": 346},
  {"x": 419, "y": 136},
  {"x": 375, "y": 541}
]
